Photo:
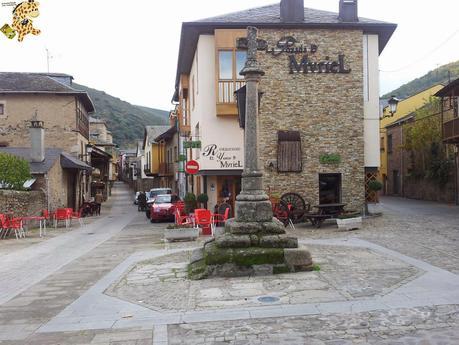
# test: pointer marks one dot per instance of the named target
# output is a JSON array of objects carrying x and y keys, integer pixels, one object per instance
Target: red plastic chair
[
  {"x": 62, "y": 215},
  {"x": 181, "y": 219},
  {"x": 3, "y": 225},
  {"x": 203, "y": 218},
  {"x": 15, "y": 224},
  {"x": 78, "y": 216},
  {"x": 221, "y": 218}
]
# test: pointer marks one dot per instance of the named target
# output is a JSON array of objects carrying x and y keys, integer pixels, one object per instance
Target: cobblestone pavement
[{"x": 388, "y": 298}]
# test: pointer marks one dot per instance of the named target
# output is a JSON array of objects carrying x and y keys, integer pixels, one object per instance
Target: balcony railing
[
  {"x": 226, "y": 90},
  {"x": 166, "y": 169},
  {"x": 451, "y": 131}
]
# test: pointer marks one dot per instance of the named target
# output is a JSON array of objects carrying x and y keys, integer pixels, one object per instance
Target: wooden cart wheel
[{"x": 295, "y": 205}]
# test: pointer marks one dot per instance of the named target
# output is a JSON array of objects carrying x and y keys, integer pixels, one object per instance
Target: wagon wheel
[{"x": 295, "y": 206}]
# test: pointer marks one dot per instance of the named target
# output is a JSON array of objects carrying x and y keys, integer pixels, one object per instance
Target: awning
[{"x": 70, "y": 162}]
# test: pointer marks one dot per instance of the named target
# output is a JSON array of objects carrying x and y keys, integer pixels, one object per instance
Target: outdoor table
[
  {"x": 331, "y": 209},
  {"x": 41, "y": 220}
]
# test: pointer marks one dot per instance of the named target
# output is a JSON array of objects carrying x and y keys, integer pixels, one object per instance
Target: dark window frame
[{"x": 2, "y": 109}]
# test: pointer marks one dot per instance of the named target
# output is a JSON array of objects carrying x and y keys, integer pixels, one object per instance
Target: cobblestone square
[{"x": 115, "y": 281}]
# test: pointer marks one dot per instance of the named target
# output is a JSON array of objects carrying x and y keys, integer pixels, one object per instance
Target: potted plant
[
  {"x": 181, "y": 232},
  {"x": 190, "y": 203},
  {"x": 202, "y": 200},
  {"x": 349, "y": 220},
  {"x": 374, "y": 187}
]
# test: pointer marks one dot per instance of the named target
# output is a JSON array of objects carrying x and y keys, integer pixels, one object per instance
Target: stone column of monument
[{"x": 254, "y": 243}]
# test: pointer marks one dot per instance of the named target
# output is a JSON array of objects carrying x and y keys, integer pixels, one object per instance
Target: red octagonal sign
[{"x": 192, "y": 167}]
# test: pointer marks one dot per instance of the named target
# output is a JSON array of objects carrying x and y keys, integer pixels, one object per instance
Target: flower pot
[
  {"x": 181, "y": 234},
  {"x": 349, "y": 223}
]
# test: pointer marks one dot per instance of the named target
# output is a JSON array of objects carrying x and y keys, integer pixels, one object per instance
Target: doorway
[
  {"x": 329, "y": 188},
  {"x": 228, "y": 188}
]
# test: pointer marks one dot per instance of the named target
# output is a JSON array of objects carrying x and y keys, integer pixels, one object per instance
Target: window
[
  {"x": 175, "y": 154},
  {"x": 230, "y": 63},
  {"x": 389, "y": 143},
  {"x": 382, "y": 144},
  {"x": 289, "y": 157},
  {"x": 2, "y": 109}
]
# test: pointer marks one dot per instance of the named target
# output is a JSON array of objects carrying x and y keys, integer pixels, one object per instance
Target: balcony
[
  {"x": 166, "y": 169},
  {"x": 226, "y": 104},
  {"x": 451, "y": 131}
]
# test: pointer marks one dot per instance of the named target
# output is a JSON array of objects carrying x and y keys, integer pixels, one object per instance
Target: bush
[
  {"x": 203, "y": 198},
  {"x": 375, "y": 186},
  {"x": 190, "y": 203},
  {"x": 14, "y": 172}
]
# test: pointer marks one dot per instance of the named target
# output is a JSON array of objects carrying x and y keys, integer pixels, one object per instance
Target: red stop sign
[{"x": 192, "y": 167}]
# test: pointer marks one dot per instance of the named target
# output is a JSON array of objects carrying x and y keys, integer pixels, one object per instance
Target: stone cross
[{"x": 252, "y": 195}]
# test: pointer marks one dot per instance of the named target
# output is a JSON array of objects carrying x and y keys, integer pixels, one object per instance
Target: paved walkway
[{"x": 62, "y": 294}]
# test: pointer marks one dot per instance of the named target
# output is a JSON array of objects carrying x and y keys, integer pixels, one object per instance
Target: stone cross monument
[{"x": 254, "y": 243}]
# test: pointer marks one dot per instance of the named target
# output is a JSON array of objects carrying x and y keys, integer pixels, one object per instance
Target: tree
[
  {"x": 423, "y": 139},
  {"x": 14, "y": 172}
]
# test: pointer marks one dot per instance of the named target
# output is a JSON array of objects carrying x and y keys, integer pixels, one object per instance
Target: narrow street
[{"x": 115, "y": 282}]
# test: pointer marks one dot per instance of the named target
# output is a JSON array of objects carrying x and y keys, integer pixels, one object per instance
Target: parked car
[
  {"x": 163, "y": 208},
  {"x": 152, "y": 194}
]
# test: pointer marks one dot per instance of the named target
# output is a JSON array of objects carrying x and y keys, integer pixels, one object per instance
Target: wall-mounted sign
[
  {"x": 332, "y": 158},
  {"x": 192, "y": 167},
  {"x": 182, "y": 158},
  {"x": 305, "y": 64},
  {"x": 192, "y": 144},
  {"x": 223, "y": 157}
]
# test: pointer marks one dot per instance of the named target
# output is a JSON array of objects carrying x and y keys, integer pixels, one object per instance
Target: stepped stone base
[{"x": 251, "y": 248}]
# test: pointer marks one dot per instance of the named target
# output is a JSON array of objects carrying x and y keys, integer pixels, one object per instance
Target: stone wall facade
[
  {"x": 326, "y": 108},
  {"x": 22, "y": 204},
  {"x": 58, "y": 114}
]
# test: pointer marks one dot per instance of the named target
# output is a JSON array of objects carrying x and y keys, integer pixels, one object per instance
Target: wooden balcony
[
  {"x": 166, "y": 169},
  {"x": 451, "y": 131},
  {"x": 226, "y": 103}
]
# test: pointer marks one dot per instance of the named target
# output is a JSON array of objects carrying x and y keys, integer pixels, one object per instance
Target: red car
[{"x": 163, "y": 208}]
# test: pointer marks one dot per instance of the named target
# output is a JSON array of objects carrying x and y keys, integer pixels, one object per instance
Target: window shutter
[{"x": 289, "y": 157}]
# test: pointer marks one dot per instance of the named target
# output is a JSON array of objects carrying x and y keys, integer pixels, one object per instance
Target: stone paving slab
[
  {"x": 398, "y": 326},
  {"x": 435, "y": 287},
  {"x": 162, "y": 284}
]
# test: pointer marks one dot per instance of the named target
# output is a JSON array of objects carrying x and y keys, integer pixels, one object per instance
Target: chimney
[
  {"x": 292, "y": 11},
  {"x": 37, "y": 140},
  {"x": 348, "y": 11}
]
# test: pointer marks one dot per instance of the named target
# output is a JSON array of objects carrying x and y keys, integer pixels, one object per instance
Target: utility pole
[{"x": 48, "y": 57}]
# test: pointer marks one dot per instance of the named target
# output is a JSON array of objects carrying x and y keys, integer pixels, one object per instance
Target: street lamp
[{"x": 393, "y": 103}]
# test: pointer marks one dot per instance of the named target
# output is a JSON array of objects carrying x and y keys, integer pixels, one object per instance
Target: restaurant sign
[
  {"x": 223, "y": 157},
  {"x": 290, "y": 46}
]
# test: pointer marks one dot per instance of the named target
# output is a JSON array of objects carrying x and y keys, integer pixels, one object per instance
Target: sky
[{"x": 129, "y": 49}]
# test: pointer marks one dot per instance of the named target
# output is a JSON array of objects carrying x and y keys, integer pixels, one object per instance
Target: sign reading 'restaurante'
[{"x": 289, "y": 45}]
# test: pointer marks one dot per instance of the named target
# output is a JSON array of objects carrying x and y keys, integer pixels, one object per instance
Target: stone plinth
[{"x": 250, "y": 249}]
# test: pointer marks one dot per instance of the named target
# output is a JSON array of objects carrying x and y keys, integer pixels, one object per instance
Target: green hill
[
  {"x": 437, "y": 76},
  {"x": 124, "y": 120}
]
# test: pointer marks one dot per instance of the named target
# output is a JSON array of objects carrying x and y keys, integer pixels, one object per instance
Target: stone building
[
  {"x": 319, "y": 110},
  {"x": 54, "y": 170},
  {"x": 63, "y": 110},
  {"x": 450, "y": 125},
  {"x": 103, "y": 157},
  {"x": 404, "y": 110}
]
